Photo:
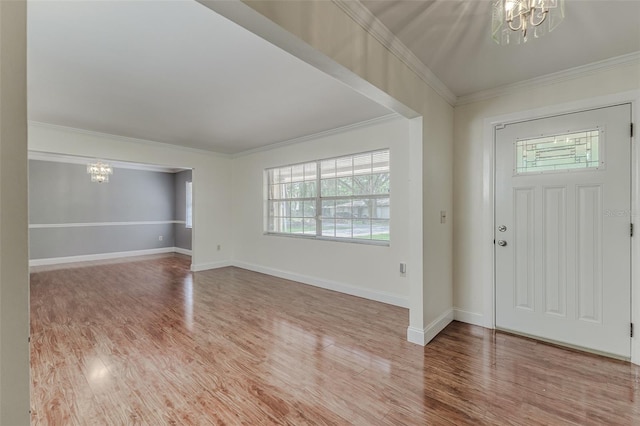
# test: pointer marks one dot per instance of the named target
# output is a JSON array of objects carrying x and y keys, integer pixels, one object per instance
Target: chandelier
[
  {"x": 515, "y": 21},
  {"x": 99, "y": 171}
]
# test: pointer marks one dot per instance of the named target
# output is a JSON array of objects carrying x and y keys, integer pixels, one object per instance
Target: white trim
[
  {"x": 489, "y": 124},
  {"x": 635, "y": 242},
  {"x": 416, "y": 335},
  {"x": 72, "y": 159},
  {"x": 553, "y": 78},
  {"x": 99, "y": 256},
  {"x": 367, "y": 20},
  {"x": 125, "y": 139},
  {"x": 318, "y": 135},
  {"x": 473, "y": 318},
  {"x": 422, "y": 337},
  {"x": 91, "y": 224},
  {"x": 61, "y": 158},
  {"x": 181, "y": 250},
  {"x": 210, "y": 265},
  {"x": 379, "y": 243},
  {"x": 378, "y": 296},
  {"x": 488, "y": 220},
  {"x": 415, "y": 266}
]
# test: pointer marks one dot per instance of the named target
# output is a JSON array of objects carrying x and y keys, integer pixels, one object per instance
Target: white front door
[{"x": 563, "y": 247}]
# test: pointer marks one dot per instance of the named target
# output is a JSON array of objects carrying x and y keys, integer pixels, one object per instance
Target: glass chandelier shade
[
  {"x": 516, "y": 21},
  {"x": 99, "y": 172}
]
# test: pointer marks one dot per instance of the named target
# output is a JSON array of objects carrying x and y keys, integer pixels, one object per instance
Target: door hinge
[
  {"x": 631, "y": 330},
  {"x": 631, "y": 129},
  {"x": 631, "y": 229}
]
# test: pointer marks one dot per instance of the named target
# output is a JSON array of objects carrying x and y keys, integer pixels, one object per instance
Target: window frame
[
  {"x": 318, "y": 198},
  {"x": 188, "y": 205}
]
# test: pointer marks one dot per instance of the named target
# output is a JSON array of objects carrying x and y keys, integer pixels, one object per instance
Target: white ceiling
[
  {"x": 176, "y": 72},
  {"x": 452, "y": 38}
]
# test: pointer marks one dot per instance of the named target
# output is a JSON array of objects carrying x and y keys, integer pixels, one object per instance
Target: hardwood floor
[{"x": 148, "y": 342}]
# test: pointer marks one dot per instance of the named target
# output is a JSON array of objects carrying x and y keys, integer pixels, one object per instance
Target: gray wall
[
  {"x": 182, "y": 234},
  {"x": 62, "y": 194}
]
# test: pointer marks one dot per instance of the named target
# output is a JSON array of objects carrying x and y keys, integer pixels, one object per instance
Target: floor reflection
[
  {"x": 188, "y": 301},
  {"x": 98, "y": 373},
  {"x": 320, "y": 353}
]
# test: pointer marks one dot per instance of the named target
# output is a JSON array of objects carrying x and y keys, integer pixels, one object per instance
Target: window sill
[{"x": 380, "y": 243}]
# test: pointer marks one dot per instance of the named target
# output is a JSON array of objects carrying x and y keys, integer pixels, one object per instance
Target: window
[
  {"x": 189, "y": 205},
  {"x": 579, "y": 150},
  {"x": 337, "y": 198}
]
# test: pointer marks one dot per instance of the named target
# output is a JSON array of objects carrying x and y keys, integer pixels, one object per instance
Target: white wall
[
  {"x": 211, "y": 180},
  {"x": 322, "y": 34},
  {"x": 472, "y": 243},
  {"x": 362, "y": 269}
]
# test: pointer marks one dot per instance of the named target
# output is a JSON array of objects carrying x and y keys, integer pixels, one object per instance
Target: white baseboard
[
  {"x": 469, "y": 317},
  {"x": 180, "y": 250},
  {"x": 416, "y": 335},
  {"x": 101, "y": 256},
  {"x": 210, "y": 265},
  {"x": 378, "y": 296},
  {"x": 422, "y": 337}
]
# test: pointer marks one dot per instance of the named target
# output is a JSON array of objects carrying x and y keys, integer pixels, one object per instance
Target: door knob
[{"x": 502, "y": 243}]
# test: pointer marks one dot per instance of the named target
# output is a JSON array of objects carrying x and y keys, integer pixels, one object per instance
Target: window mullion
[{"x": 318, "y": 202}]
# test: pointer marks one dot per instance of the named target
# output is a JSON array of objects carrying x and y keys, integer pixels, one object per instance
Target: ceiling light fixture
[
  {"x": 514, "y": 21},
  {"x": 99, "y": 171}
]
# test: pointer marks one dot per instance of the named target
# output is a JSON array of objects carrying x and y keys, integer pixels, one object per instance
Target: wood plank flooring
[{"x": 147, "y": 342}]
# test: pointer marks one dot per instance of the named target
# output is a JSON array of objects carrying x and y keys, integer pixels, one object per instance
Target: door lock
[
  {"x": 502, "y": 228},
  {"x": 502, "y": 243}
]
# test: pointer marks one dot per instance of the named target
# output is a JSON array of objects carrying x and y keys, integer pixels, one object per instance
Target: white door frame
[{"x": 488, "y": 198}]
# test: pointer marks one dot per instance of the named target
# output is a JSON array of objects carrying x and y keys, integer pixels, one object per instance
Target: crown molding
[
  {"x": 124, "y": 138},
  {"x": 61, "y": 158},
  {"x": 318, "y": 135},
  {"x": 367, "y": 20},
  {"x": 73, "y": 159},
  {"x": 553, "y": 78}
]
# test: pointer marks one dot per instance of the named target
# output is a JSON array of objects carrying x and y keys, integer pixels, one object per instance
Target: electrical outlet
[
  {"x": 160, "y": 237},
  {"x": 443, "y": 216}
]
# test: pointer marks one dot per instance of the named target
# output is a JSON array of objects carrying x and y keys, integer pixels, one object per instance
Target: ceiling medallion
[{"x": 516, "y": 21}]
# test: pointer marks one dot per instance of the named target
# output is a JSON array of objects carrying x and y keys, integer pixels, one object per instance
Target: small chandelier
[
  {"x": 99, "y": 172},
  {"x": 514, "y": 21}
]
